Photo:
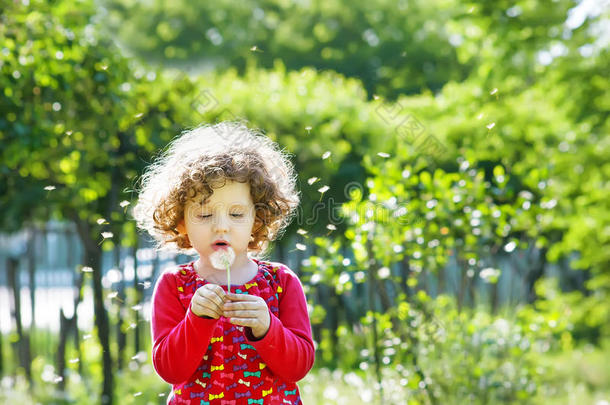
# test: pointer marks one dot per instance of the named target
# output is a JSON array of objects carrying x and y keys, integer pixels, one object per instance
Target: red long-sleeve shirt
[{"x": 211, "y": 361}]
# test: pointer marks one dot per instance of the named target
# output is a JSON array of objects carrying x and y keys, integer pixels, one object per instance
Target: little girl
[{"x": 225, "y": 188}]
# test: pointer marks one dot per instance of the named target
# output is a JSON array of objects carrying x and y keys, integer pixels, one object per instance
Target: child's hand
[
  {"x": 208, "y": 300},
  {"x": 250, "y": 311}
]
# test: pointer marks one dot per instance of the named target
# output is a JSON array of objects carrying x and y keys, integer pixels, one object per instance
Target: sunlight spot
[
  {"x": 510, "y": 246},
  {"x": 331, "y": 393},
  {"x": 383, "y": 272}
]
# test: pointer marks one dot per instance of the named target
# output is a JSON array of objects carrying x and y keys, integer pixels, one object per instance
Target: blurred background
[{"x": 453, "y": 159}]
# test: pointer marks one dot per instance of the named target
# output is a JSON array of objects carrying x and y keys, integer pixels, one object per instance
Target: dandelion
[{"x": 223, "y": 259}]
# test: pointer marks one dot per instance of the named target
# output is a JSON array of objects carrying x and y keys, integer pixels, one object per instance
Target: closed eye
[{"x": 237, "y": 215}]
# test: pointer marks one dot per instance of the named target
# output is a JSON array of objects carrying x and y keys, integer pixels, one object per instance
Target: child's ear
[{"x": 181, "y": 227}]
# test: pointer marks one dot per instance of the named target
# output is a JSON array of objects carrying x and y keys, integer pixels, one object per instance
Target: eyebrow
[{"x": 234, "y": 205}]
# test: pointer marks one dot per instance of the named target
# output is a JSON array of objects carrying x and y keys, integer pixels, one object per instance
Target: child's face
[{"x": 228, "y": 215}]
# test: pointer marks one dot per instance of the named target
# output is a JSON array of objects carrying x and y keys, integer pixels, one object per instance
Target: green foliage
[{"x": 479, "y": 148}]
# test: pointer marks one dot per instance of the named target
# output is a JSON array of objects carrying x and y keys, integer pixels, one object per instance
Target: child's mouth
[{"x": 220, "y": 245}]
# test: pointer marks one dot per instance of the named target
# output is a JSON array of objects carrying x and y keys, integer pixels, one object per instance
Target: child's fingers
[
  {"x": 201, "y": 309},
  {"x": 250, "y": 322},
  {"x": 241, "y": 297},
  {"x": 241, "y": 314},
  {"x": 213, "y": 293},
  {"x": 233, "y": 306}
]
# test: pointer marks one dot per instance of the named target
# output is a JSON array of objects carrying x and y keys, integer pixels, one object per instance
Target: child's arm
[
  {"x": 180, "y": 339},
  {"x": 288, "y": 348}
]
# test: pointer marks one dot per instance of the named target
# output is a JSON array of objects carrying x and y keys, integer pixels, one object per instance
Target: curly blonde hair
[{"x": 204, "y": 158}]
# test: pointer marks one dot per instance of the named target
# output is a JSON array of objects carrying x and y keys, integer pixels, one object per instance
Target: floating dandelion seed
[
  {"x": 50, "y": 188},
  {"x": 383, "y": 155},
  {"x": 490, "y": 126},
  {"x": 323, "y": 189},
  {"x": 480, "y": 116},
  {"x": 124, "y": 203},
  {"x": 72, "y": 361},
  {"x": 300, "y": 246},
  {"x": 331, "y": 227},
  {"x": 101, "y": 221},
  {"x": 137, "y": 394},
  {"x": 88, "y": 336},
  {"x": 312, "y": 180},
  {"x": 69, "y": 132},
  {"x": 494, "y": 91},
  {"x": 255, "y": 49},
  {"x": 58, "y": 379},
  {"x": 140, "y": 115},
  {"x": 113, "y": 295},
  {"x": 137, "y": 307},
  {"x": 326, "y": 155},
  {"x": 132, "y": 326},
  {"x": 302, "y": 231},
  {"x": 107, "y": 235},
  {"x": 87, "y": 269},
  {"x": 375, "y": 97},
  {"x": 308, "y": 128}
]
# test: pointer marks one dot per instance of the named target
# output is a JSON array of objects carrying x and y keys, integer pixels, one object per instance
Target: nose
[{"x": 221, "y": 224}]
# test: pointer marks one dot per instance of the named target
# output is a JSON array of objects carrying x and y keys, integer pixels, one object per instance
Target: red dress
[{"x": 211, "y": 361}]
